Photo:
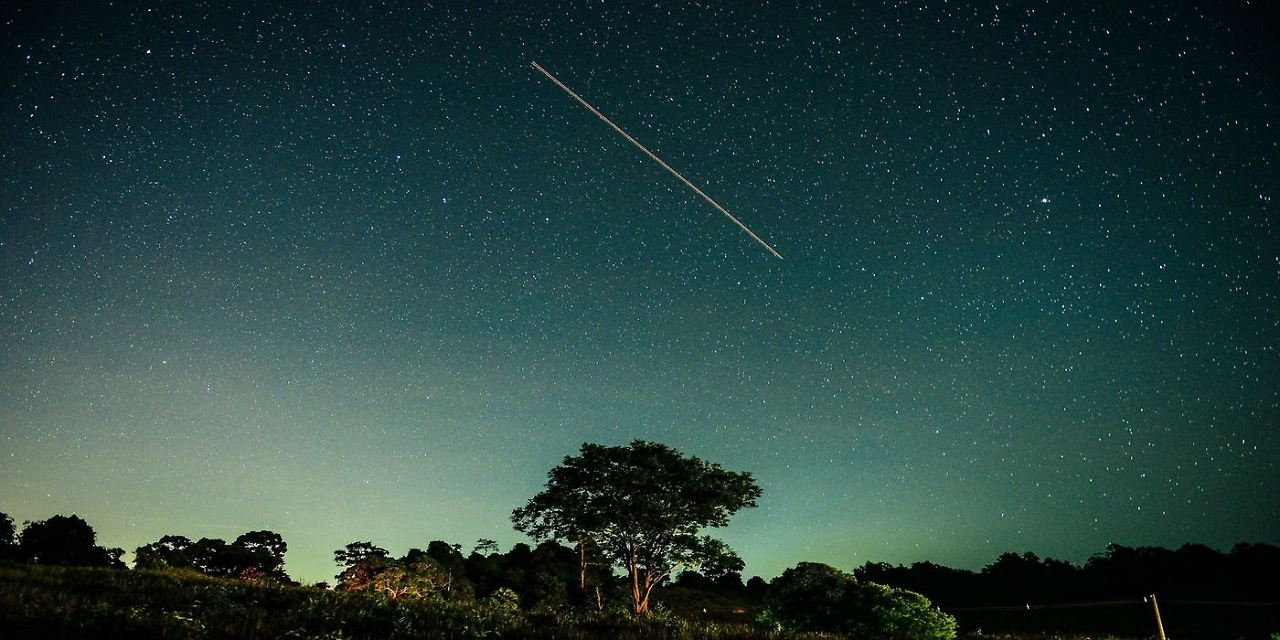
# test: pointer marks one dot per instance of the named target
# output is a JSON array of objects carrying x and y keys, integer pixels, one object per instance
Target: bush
[{"x": 817, "y": 597}]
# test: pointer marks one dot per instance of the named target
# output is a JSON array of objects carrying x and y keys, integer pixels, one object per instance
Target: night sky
[{"x": 361, "y": 273}]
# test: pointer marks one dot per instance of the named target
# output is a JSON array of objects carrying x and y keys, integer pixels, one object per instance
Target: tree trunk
[
  {"x": 649, "y": 583},
  {"x": 644, "y": 602},
  {"x": 582, "y": 567},
  {"x": 639, "y": 604}
]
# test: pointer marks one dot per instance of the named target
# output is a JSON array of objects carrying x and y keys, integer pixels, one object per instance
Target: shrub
[{"x": 817, "y": 597}]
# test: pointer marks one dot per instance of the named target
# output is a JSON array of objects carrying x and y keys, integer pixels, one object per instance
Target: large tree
[
  {"x": 643, "y": 506},
  {"x": 65, "y": 540},
  {"x": 256, "y": 555},
  {"x": 169, "y": 552},
  {"x": 265, "y": 550}
]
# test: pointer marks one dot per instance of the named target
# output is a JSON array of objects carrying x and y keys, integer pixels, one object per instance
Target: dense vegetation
[
  {"x": 1247, "y": 572},
  {"x": 77, "y": 602},
  {"x": 614, "y": 524},
  {"x": 813, "y": 597},
  {"x": 1202, "y": 592}
]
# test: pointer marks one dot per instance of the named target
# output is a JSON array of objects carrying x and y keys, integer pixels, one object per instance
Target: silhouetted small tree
[
  {"x": 8, "y": 543},
  {"x": 485, "y": 546},
  {"x": 7, "y": 530}
]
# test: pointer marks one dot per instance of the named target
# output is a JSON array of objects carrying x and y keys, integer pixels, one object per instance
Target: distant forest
[
  {"x": 548, "y": 574},
  {"x": 1248, "y": 571}
]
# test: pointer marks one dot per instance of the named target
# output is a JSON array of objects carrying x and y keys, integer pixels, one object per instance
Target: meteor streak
[{"x": 649, "y": 153}]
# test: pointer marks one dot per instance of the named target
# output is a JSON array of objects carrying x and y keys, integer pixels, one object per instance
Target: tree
[
  {"x": 211, "y": 556},
  {"x": 418, "y": 577},
  {"x": 7, "y": 531},
  {"x": 416, "y": 580},
  {"x": 643, "y": 507},
  {"x": 359, "y": 576},
  {"x": 265, "y": 555},
  {"x": 485, "y": 546},
  {"x": 65, "y": 540},
  {"x": 256, "y": 555},
  {"x": 169, "y": 552},
  {"x": 357, "y": 552},
  {"x": 8, "y": 546},
  {"x": 814, "y": 597},
  {"x": 448, "y": 556}
]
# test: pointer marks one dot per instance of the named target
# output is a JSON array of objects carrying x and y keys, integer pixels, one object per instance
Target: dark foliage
[
  {"x": 1203, "y": 592},
  {"x": 85, "y": 603},
  {"x": 641, "y": 508},
  {"x": 817, "y": 597},
  {"x": 256, "y": 555},
  {"x": 7, "y": 531},
  {"x": 66, "y": 541},
  {"x": 169, "y": 552},
  {"x": 8, "y": 539},
  {"x": 1192, "y": 571},
  {"x": 358, "y": 552}
]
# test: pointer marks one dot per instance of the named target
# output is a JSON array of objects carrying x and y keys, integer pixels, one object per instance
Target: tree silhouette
[
  {"x": 65, "y": 540},
  {"x": 485, "y": 546},
  {"x": 256, "y": 555},
  {"x": 8, "y": 544},
  {"x": 169, "y": 552},
  {"x": 356, "y": 553},
  {"x": 265, "y": 554},
  {"x": 644, "y": 506},
  {"x": 7, "y": 531},
  {"x": 816, "y": 597}
]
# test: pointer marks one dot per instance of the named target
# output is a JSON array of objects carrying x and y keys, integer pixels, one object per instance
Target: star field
[{"x": 359, "y": 272}]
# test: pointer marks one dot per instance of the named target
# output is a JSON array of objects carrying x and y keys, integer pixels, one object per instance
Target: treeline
[
  {"x": 551, "y": 574},
  {"x": 546, "y": 576},
  {"x": 61, "y": 541},
  {"x": 620, "y": 530},
  {"x": 1247, "y": 572},
  {"x": 551, "y": 580}
]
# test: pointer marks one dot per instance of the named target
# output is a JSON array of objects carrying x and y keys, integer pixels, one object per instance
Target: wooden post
[{"x": 1159, "y": 623}]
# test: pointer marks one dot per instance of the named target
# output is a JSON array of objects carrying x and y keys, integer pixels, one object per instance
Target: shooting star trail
[{"x": 649, "y": 153}]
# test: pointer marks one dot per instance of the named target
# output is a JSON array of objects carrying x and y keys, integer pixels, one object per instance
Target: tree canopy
[
  {"x": 816, "y": 597},
  {"x": 169, "y": 552},
  {"x": 256, "y": 555},
  {"x": 7, "y": 531},
  {"x": 8, "y": 541},
  {"x": 643, "y": 506},
  {"x": 65, "y": 540}
]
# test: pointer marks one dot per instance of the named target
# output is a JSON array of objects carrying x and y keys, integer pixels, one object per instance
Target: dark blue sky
[{"x": 360, "y": 272}]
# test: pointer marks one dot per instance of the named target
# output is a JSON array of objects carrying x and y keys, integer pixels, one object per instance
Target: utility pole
[{"x": 1159, "y": 624}]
